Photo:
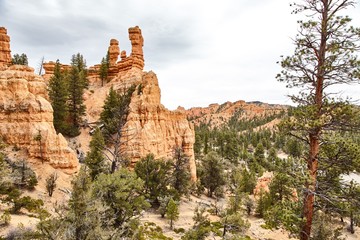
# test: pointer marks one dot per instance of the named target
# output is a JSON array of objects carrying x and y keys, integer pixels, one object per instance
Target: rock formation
[
  {"x": 263, "y": 183},
  {"x": 5, "y": 53},
  {"x": 26, "y": 116},
  {"x": 114, "y": 52},
  {"x": 150, "y": 126},
  {"x": 49, "y": 68},
  {"x": 218, "y": 114}
]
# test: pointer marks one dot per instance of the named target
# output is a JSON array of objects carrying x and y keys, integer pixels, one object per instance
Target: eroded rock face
[
  {"x": 263, "y": 183},
  {"x": 150, "y": 127},
  {"x": 5, "y": 53},
  {"x": 219, "y": 114},
  {"x": 114, "y": 52},
  {"x": 25, "y": 113}
]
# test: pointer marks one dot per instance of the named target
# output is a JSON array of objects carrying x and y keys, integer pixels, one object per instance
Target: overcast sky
[{"x": 203, "y": 51}]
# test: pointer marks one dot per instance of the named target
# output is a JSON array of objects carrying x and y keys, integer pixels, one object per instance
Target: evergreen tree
[
  {"x": 51, "y": 183},
  {"x": 20, "y": 59},
  {"x": 121, "y": 192},
  {"x": 114, "y": 117},
  {"x": 324, "y": 57},
  {"x": 201, "y": 228},
  {"x": 156, "y": 174},
  {"x": 85, "y": 217},
  {"x": 95, "y": 159},
  {"x": 181, "y": 172},
  {"x": 58, "y": 93},
  {"x": 172, "y": 212},
  {"x": 259, "y": 155},
  {"x": 77, "y": 83},
  {"x": 213, "y": 173},
  {"x": 104, "y": 68}
]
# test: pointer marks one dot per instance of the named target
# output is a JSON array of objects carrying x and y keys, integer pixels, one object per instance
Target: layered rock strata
[
  {"x": 5, "y": 53},
  {"x": 150, "y": 127},
  {"x": 26, "y": 116},
  {"x": 49, "y": 68}
]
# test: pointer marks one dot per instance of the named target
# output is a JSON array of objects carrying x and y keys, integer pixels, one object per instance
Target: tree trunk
[
  {"x": 352, "y": 229},
  {"x": 309, "y": 197},
  {"x": 314, "y": 134}
]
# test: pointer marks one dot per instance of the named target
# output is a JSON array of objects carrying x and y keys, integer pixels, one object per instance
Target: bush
[
  {"x": 27, "y": 203},
  {"x": 6, "y": 218}
]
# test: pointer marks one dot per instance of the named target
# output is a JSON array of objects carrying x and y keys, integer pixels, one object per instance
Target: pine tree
[
  {"x": 181, "y": 172},
  {"x": 213, "y": 173},
  {"x": 58, "y": 93},
  {"x": 172, "y": 212},
  {"x": 104, "y": 68},
  {"x": 77, "y": 83},
  {"x": 20, "y": 59},
  {"x": 51, "y": 183},
  {"x": 95, "y": 159},
  {"x": 324, "y": 57},
  {"x": 156, "y": 174},
  {"x": 114, "y": 117},
  {"x": 121, "y": 192}
]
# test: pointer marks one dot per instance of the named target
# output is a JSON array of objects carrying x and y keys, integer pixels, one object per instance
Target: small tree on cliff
[
  {"x": 114, "y": 117},
  {"x": 20, "y": 59},
  {"x": 58, "y": 94},
  {"x": 323, "y": 58},
  {"x": 77, "y": 83},
  {"x": 104, "y": 68}
]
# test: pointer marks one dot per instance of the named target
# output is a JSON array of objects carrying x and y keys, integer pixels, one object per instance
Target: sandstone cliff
[
  {"x": 26, "y": 116},
  {"x": 150, "y": 127}
]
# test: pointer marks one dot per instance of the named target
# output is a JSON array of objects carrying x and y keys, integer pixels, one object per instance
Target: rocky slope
[
  {"x": 26, "y": 116},
  {"x": 217, "y": 114}
]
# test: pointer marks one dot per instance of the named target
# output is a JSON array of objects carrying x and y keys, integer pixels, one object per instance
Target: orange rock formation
[
  {"x": 49, "y": 68},
  {"x": 5, "y": 53},
  {"x": 218, "y": 114},
  {"x": 25, "y": 113},
  {"x": 150, "y": 127}
]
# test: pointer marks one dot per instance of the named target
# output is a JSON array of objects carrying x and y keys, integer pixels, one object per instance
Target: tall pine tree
[
  {"x": 58, "y": 93},
  {"x": 77, "y": 83},
  {"x": 323, "y": 58}
]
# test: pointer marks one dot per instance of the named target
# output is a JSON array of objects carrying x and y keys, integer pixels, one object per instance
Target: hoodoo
[{"x": 150, "y": 127}]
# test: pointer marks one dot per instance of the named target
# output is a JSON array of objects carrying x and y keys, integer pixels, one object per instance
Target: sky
[{"x": 202, "y": 51}]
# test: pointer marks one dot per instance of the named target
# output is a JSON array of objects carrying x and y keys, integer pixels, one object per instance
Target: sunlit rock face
[
  {"x": 26, "y": 114},
  {"x": 5, "y": 53},
  {"x": 150, "y": 127}
]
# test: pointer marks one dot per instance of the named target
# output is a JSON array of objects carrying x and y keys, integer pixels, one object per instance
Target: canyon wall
[{"x": 26, "y": 116}]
